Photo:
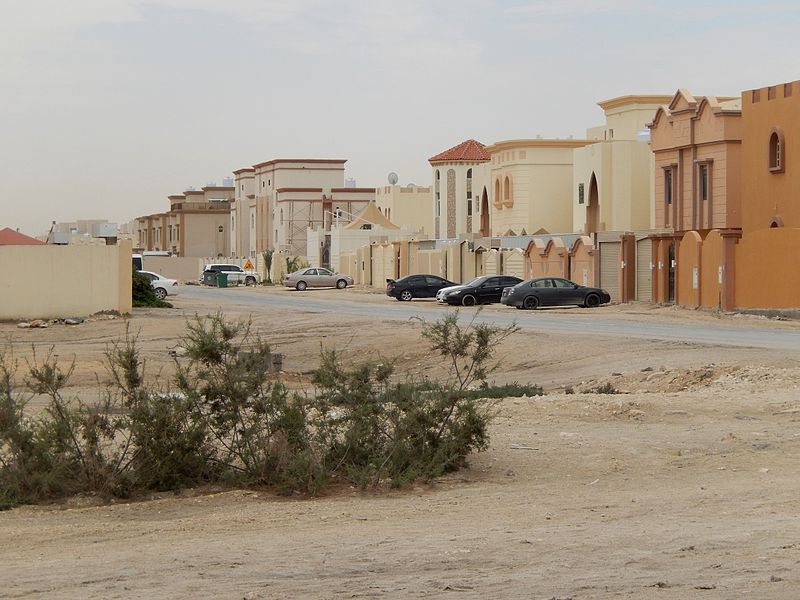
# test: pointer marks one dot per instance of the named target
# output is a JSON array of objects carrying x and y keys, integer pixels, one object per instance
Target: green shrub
[
  {"x": 143, "y": 293},
  {"x": 224, "y": 419}
]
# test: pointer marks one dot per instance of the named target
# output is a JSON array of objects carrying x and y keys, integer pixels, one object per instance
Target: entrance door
[
  {"x": 671, "y": 276},
  {"x": 592, "y": 208},
  {"x": 485, "y": 214}
]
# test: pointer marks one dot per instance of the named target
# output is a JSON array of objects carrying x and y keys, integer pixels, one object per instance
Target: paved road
[{"x": 579, "y": 323}]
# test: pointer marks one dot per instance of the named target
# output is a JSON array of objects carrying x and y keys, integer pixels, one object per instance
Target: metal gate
[
  {"x": 609, "y": 268},
  {"x": 644, "y": 270}
]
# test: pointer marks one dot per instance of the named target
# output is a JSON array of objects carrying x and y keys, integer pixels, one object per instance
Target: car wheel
[
  {"x": 300, "y": 286},
  {"x": 161, "y": 293},
  {"x": 406, "y": 295},
  {"x": 249, "y": 280},
  {"x": 341, "y": 284},
  {"x": 468, "y": 300},
  {"x": 530, "y": 303},
  {"x": 592, "y": 301}
]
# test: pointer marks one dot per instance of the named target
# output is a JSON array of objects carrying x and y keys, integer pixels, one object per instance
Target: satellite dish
[{"x": 392, "y": 178}]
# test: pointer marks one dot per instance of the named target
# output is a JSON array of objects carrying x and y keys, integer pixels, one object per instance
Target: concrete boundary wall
[{"x": 65, "y": 281}]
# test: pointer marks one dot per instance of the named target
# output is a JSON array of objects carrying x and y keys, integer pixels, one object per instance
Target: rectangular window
[
  {"x": 668, "y": 186},
  {"x": 469, "y": 208},
  {"x": 703, "y": 183},
  {"x": 469, "y": 195},
  {"x": 580, "y": 194}
]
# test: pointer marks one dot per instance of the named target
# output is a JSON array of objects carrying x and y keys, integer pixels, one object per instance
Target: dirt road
[{"x": 685, "y": 486}]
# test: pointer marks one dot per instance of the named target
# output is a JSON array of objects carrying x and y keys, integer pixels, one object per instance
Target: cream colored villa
[
  {"x": 613, "y": 174},
  {"x": 196, "y": 225},
  {"x": 277, "y": 201},
  {"x": 531, "y": 182},
  {"x": 410, "y": 205},
  {"x": 460, "y": 194}
]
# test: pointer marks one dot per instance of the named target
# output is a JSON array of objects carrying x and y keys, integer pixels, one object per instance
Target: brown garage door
[
  {"x": 644, "y": 271},
  {"x": 609, "y": 268}
]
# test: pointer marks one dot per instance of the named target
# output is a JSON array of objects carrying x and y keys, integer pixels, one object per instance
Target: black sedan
[
  {"x": 553, "y": 291},
  {"x": 481, "y": 290},
  {"x": 416, "y": 286}
]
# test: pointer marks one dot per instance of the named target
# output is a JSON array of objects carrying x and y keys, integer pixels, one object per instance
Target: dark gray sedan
[{"x": 553, "y": 291}]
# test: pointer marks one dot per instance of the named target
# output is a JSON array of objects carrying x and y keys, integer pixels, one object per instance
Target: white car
[
  {"x": 164, "y": 287},
  {"x": 235, "y": 273}
]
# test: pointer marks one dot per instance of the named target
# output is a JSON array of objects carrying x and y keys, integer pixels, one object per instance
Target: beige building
[
  {"x": 460, "y": 191},
  {"x": 345, "y": 236},
  {"x": 197, "y": 224},
  {"x": 613, "y": 174},
  {"x": 277, "y": 201},
  {"x": 407, "y": 206},
  {"x": 531, "y": 186}
]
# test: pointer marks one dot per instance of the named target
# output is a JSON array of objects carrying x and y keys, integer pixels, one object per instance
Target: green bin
[{"x": 222, "y": 280}]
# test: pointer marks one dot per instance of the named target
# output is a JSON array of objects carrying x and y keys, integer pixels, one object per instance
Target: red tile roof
[
  {"x": 9, "y": 237},
  {"x": 469, "y": 151}
]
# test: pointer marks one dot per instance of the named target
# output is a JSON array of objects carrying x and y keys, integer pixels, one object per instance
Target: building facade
[
  {"x": 696, "y": 144},
  {"x": 408, "y": 206},
  {"x": 277, "y": 201},
  {"x": 197, "y": 224},
  {"x": 766, "y": 269},
  {"x": 613, "y": 174},
  {"x": 460, "y": 191},
  {"x": 531, "y": 183}
]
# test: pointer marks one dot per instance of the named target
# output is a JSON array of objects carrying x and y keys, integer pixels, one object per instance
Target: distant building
[
  {"x": 11, "y": 237},
  {"x": 531, "y": 186},
  {"x": 408, "y": 206},
  {"x": 196, "y": 224},
  {"x": 277, "y": 201},
  {"x": 613, "y": 174},
  {"x": 460, "y": 197},
  {"x": 85, "y": 232}
]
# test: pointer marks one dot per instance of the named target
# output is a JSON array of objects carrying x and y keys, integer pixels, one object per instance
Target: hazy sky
[{"x": 108, "y": 106}]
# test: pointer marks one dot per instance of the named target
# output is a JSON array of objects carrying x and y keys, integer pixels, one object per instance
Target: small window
[
  {"x": 702, "y": 175},
  {"x": 668, "y": 186},
  {"x": 220, "y": 229},
  {"x": 777, "y": 151},
  {"x": 580, "y": 194},
  {"x": 469, "y": 208}
]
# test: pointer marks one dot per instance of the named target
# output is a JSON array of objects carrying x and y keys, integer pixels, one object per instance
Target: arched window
[
  {"x": 777, "y": 151},
  {"x": 507, "y": 189},
  {"x": 497, "y": 189},
  {"x": 438, "y": 175},
  {"x": 469, "y": 173}
]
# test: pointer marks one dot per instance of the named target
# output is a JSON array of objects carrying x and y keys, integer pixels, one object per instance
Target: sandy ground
[{"x": 684, "y": 486}]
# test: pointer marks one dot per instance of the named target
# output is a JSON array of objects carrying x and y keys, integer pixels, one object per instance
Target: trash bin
[
  {"x": 222, "y": 280},
  {"x": 210, "y": 278}
]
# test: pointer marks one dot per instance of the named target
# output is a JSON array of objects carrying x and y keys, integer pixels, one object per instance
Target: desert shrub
[
  {"x": 376, "y": 430},
  {"x": 71, "y": 448},
  {"x": 605, "y": 388},
  {"x": 259, "y": 433},
  {"x": 166, "y": 444},
  {"x": 224, "y": 419}
]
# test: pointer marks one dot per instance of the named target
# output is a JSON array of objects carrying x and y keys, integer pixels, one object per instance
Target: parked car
[
  {"x": 316, "y": 277},
  {"x": 416, "y": 286},
  {"x": 481, "y": 290},
  {"x": 164, "y": 287},
  {"x": 235, "y": 273},
  {"x": 553, "y": 291}
]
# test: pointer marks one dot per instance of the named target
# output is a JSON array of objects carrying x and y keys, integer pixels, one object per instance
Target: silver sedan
[{"x": 316, "y": 277}]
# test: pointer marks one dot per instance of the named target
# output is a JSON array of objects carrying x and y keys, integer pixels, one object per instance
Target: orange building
[
  {"x": 766, "y": 268},
  {"x": 697, "y": 147}
]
